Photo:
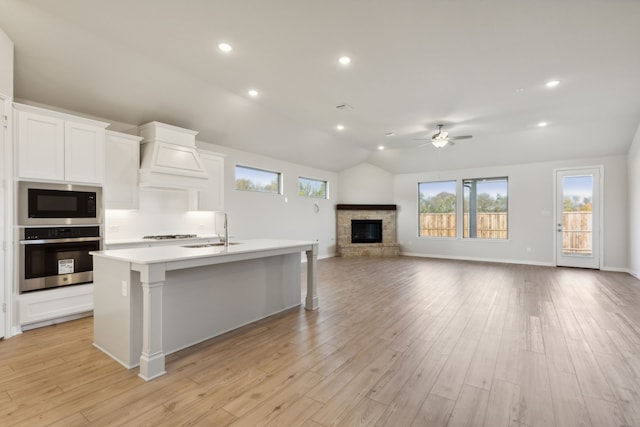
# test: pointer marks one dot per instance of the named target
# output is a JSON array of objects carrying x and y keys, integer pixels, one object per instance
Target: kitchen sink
[{"x": 207, "y": 245}]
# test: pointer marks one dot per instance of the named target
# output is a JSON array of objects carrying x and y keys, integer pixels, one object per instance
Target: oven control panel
[{"x": 41, "y": 233}]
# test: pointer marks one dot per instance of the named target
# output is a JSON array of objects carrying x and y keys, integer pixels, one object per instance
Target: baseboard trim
[
  {"x": 617, "y": 269},
  {"x": 62, "y": 319},
  {"x": 460, "y": 258}
]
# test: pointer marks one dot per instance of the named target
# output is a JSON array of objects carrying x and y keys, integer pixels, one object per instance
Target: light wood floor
[{"x": 396, "y": 342}]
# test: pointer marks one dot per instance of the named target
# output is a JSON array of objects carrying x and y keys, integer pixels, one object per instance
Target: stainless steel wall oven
[
  {"x": 59, "y": 225},
  {"x": 57, "y": 256}
]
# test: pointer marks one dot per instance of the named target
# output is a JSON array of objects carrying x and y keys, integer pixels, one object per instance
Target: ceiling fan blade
[{"x": 461, "y": 137}]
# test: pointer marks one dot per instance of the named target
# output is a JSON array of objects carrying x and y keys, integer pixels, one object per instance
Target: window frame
[
  {"x": 455, "y": 211},
  {"x": 324, "y": 182},
  {"x": 256, "y": 190},
  {"x": 464, "y": 212}
]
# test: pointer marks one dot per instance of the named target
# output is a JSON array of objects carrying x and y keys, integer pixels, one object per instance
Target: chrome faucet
[{"x": 225, "y": 239}]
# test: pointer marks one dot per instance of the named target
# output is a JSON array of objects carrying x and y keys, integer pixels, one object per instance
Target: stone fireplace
[{"x": 367, "y": 230}]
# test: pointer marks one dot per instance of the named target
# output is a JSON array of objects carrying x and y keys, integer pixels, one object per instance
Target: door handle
[{"x": 560, "y": 228}]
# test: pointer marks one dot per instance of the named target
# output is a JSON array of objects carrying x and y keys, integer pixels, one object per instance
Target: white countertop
[
  {"x": 132, "y": 240},
  {"x": 170, "y": 253}
]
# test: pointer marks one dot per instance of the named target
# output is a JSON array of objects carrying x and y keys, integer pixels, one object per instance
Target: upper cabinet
[
  {"x": 59, "y": 147},
  {"x": 123, "y": 161},
  {"x": 212, "y": 198}
]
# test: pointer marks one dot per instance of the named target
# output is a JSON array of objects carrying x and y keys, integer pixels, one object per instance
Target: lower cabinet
[{"x": 53, "y": 304}]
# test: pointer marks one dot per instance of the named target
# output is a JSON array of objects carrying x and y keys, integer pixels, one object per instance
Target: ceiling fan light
[{"x": 439, "y": 143}]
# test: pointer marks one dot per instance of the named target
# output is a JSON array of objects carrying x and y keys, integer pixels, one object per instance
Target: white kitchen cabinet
[
  {"x": 54, "y": 304},
  {"x": 40, "y": 147},
  {"x": 211, "y": 199},
  {"x": 59, "y": 147},
  {"x": 122, "y": 163}
]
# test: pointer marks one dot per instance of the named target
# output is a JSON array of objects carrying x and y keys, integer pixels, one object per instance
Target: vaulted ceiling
[{"x": 479, "y": 67}]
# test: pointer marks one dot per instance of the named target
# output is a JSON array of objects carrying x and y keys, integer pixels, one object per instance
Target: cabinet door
[
  {"x": 84, "y": 153},
  {"x": 121, "y": 180},
  {"x": 211, "y": 199},
  {"x": 40, "y": 141}
]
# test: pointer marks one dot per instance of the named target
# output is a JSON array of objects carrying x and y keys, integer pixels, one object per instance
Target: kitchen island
[{"x": 150, "y": 302}]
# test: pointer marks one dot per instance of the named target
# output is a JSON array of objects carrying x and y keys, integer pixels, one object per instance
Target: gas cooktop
[{"x": 171, "y": 236}]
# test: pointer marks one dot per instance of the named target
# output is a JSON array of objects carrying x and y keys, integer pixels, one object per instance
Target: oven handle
[{"x": 72, "y": 240}]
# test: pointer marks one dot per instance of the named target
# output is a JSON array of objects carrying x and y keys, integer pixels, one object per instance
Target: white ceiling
[{"x": 478, "y": 66}]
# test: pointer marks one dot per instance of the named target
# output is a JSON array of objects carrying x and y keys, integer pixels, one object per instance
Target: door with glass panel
[{"x": 578, "y": 218}]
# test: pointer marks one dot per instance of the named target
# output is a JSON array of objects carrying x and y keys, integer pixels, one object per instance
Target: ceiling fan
[{"x": 442, "y": 138}]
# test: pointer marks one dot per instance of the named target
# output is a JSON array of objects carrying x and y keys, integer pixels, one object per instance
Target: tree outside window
[
  {"x": 486, "y": 208},
  {"x": 308, "y": 187},
  {"x": 437, "y": 209},
  {"x": 252, "y": 179}
]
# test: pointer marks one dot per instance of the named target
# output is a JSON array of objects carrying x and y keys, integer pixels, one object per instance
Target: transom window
[
  {"x": 253, "y": 179},
  {"x": 309, "y": 187}
]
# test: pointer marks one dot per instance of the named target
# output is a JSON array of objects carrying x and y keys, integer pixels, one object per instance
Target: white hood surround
[{"x": 169, "y": 158}]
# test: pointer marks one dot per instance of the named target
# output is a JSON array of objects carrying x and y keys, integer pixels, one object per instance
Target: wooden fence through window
[
  {"x": 577, "y": 235},
  {"x": 577, "y": 232},
  {"x": 490, "y": 225}
]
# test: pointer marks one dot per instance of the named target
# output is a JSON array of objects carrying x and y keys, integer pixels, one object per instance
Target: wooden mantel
[{"x": 366, "y": 207}]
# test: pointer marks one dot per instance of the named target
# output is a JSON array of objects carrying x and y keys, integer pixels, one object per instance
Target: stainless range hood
[{"x": 169, "y": 158}]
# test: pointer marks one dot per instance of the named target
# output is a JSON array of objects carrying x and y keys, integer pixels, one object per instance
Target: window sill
[{"x": 468, "y": 239}]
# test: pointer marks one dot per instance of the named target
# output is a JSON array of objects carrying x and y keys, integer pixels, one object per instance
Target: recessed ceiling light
[
  {"x": 253, "y": 93},
  {"x": 340, "y": 127},
  {"x": 552, "y": 83},
  {"x": 542, "y": 124},
  {"x": 344, "y": 60},
  {"x": 389, "y": 134},
  {"x": 225, "y": 47},
  {"x": 380, "y": 147}
]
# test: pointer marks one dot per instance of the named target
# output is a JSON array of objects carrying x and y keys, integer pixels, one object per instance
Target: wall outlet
[
  {"x": 114, "y": 228},
  {"x": 200, "y": 226},
  {"x": 125, "y": 288}
]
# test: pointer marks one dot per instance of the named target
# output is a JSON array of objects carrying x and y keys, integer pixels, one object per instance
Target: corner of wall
[
  {"x": 366, "y": 183},
  {"x": 633, "y": 171}
]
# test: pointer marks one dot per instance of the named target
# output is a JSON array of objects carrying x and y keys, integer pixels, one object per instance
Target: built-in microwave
[{"x": 58, "y": 204}]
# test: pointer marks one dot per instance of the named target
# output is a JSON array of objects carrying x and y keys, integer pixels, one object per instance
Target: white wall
[
  {"x": 365, "y": 184},
  {"x": 634, "y": 205},
  {"x": 530, "y": 214},
  {"x": 6, "y": 65}
]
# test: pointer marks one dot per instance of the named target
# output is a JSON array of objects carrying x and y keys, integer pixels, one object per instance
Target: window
[
  {"x": 251, "y": 179},
  {"x": 312, "y": 188},
  {"x": 485, "y": 208},
  {"x": 437, "y": 209}
]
